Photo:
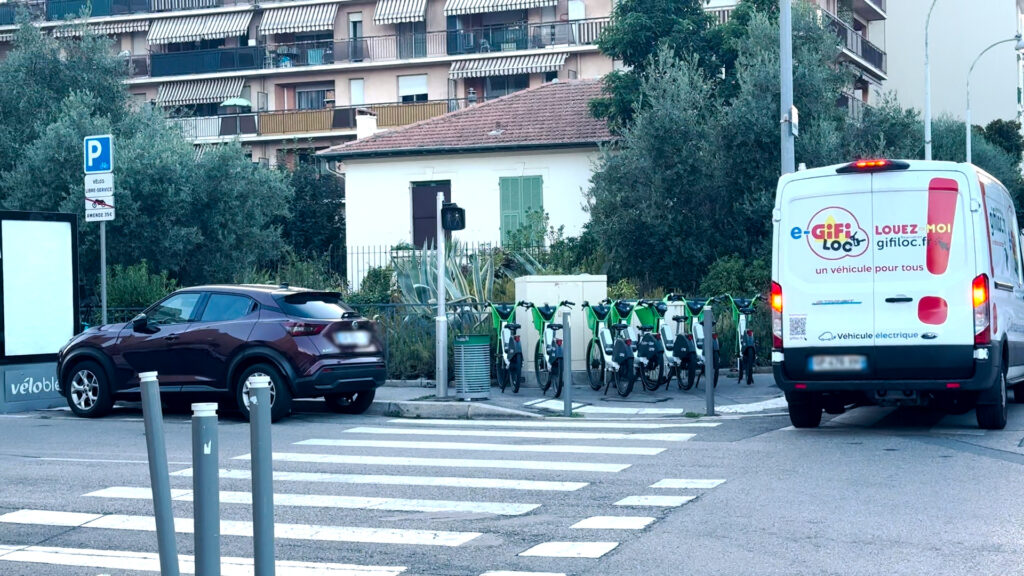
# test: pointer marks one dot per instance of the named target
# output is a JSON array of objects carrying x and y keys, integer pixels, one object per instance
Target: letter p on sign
[{"x": 99, "y": 154}]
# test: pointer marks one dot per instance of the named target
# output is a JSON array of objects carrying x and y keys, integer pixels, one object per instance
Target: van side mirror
[{"x": 140, "y": 323}]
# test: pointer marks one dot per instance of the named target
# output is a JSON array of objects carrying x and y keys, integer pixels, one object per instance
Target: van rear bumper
[{"x": 918, "y": 368}]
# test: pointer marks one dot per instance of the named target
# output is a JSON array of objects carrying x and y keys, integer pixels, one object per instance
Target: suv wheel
[
  {"x": 280, "y": 396},
  {"x": 88, "y": 391},
  {"x": 351, "y": 403}
]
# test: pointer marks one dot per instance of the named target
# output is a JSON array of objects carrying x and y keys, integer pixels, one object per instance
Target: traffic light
[{"x": 453, "y": 217}]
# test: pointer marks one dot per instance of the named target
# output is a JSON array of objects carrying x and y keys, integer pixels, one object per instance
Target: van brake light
[
  {"x": 776, "y": 301},
  {"x": 982, "y": 310},
  {"x": 874, "y": 165}
]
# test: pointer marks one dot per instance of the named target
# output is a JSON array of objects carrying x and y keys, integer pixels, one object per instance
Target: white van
[{"x": 898, "y": 283}]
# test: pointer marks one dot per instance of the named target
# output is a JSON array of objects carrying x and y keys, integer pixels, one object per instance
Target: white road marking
[
  {"x": 556, "y": 405},
  {"x": 396, "y": 480},
  {"x": 637, "y": 411},
  {"x": 662, "y": 501},
  {"x": 328, "y": 501},
  {"x": 4, "y": 549},
  {"x": 443, "y": 462},
  {"x": 150, "y": 562},
  {"x": 240, "y": 528},
  {"x": 105, "y": 461},
  {"x": 688, "y": 483},
  {"x": 772, "y": 404},
  {"x": 614, "y": 523},
  {"x": 482, "y": 447},
  {"x": 516, "y": 573},
  {"x": 532, "y": 402},
  {"x": 557, "y": 435},
  {"x": 571, "y": 549},
  {"x": 617, "y": 425}
]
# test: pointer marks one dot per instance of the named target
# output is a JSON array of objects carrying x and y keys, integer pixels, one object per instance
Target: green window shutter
[{"x": 519, "y": 196}]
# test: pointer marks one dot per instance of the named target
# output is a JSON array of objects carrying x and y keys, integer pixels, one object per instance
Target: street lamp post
[
  {"x": 928, "y": 87},
  {"x": 1019, "y": 48}
]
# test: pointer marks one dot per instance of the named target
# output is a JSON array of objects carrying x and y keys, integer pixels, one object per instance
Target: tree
[
  {"x": 317, "y": 211},
  {"x": 948, "y": 143},
  {"x": 1006, "y": 134}
]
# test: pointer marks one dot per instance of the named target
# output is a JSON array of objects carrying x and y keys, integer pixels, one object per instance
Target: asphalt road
[{"x": 874, "y": 491}]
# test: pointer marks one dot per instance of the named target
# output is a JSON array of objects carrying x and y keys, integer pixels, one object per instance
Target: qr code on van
[{"x": 798, "y": 327}]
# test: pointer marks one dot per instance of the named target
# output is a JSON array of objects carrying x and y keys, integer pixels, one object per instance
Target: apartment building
[
  {"x": 960, "y": 30},
  {"x": 860, "y": 26},
  {"x": 291, "y": 77}
]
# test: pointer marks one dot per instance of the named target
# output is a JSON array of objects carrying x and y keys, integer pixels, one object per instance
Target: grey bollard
[
  {"x": 709, "y": 360},
  {"x": 159, "y": 477},
  {"x": 262, "y": 476},
  {"x": 206, "y": 488},
  {"x": 567, "y": 364}
]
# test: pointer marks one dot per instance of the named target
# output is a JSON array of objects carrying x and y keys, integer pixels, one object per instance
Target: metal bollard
[
  {"x": 262, "y": 476},
  {"x": 206, "y": 488},
  {"x": 567, "y": 364},
  {"x": 159, "y": 476},
  {"x": 709, "y": 360}
]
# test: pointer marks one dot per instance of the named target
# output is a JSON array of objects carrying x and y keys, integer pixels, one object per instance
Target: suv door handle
[
  {"x": 897, "y": 299},
  {"x": 171, "y": 337}
]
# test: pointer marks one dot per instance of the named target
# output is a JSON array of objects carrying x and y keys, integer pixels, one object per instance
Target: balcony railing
[
  {"x": 169, "y": 5},
  {"x": 64, "y": 9},
  {"x": 299, "y": 54},
  {"x": 287, "y": 122},
  {"x": 129, "y": 6},
  {"x": 854, "y": 107},
  {"x": 203, "y": 61},
  {"x": 138, "y": 66},
  {"x": 859, "y": 45}
]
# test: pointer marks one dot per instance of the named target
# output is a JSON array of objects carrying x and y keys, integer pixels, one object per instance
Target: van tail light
[
  {"x": 982, "y": 310},
  {"x": 776, "y": 301},
  {"x": 872, "y": 165},
  {"x": 304, "y": 328}
]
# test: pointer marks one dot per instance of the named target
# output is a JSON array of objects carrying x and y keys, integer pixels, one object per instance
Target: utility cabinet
[{"x": 551, "y": 290}]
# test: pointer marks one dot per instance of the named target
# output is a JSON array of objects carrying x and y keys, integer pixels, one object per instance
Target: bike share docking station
[{"x": 38, "y": 305}]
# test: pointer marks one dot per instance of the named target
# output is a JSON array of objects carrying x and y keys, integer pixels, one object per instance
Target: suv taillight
[
  {"x": 304, "y": 328},
  {"x": 982, "y": 310},
  {"x": 776, "y": 303}
]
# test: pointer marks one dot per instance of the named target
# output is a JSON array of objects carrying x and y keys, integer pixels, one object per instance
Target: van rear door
[
  {"x": 923, "y": 269},
  {"x": 825, "y": 266}
]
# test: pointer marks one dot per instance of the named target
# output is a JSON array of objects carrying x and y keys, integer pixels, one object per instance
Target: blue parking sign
[{"x": 99, "y": 154}]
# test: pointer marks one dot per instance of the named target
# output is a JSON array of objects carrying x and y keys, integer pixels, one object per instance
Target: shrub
[
  {"x": 378, "y": 287},
  {"x": 624, "y": 289},
  {"x": 135, "y": 286}
]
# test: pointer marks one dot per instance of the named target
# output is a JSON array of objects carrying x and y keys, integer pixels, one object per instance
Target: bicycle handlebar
[{"x": 568, "y": 304}]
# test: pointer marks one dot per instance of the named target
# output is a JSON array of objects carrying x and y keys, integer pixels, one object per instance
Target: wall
[
  {"x": 958, "y": 35},
  {"x": 551, "y": 290},
  {"x": 379, "y": 207}
]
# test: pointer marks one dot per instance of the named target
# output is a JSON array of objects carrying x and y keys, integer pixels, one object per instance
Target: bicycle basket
[
  {"x": 646, "y": 315},
  {"x": 502, "y": 313},
  {"x": 596, "y": 315},
  {"x": 622, "y": 311}
]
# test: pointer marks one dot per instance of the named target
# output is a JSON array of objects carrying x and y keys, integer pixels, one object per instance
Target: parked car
[
  {"x": 212, "y": 340},
  {"x": 897, "y": 283}
]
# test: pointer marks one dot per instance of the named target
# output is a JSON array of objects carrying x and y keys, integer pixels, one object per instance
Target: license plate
[
  {"x": 355, "y": 338},
  {"x": 843, "y": 363}
]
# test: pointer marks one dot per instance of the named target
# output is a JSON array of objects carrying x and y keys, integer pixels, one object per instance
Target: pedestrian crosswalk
[{"x": 467, "y": 479}]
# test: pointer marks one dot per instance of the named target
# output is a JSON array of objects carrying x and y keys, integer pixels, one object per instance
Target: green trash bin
[{"x": 472, "y": 357}]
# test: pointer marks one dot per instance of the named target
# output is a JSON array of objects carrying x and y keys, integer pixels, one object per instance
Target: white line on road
[
  {"x": 557, "y": 434},
  {"x": 396, "y": 480},
  {"x": 617, "y": 425},
  {"x": 688, "y": 483},
  {"x": 516, "y": 573},
  {"x": 150, "y": 562},
  {"x": 571, "y": 549},
  {"x": 482, "y": 447},
  {"x": 329, "y": 501},
  {"x": 614, "y": 523},
  {"x": 105, "y": 461},
  {"x": 239, "y": 528},
  {"x": 662, "y": 501},
  {"x": 443, "y": 462}
]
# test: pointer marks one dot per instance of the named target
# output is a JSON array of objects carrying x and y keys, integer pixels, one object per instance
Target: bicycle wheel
[
  {"x": 691, "y": 372},
  {"x": 714, "y": 367},
  {"x": 501, "y": 372},
  {"x": 515, "y": 371},
  {"x": 624, "y": 378},
  {"x": 595, "y": 365},
  {"x": 540, "y": 368},
  {"x": 652, "y": 373},
  {"x": 557, "y": 376},
  {"x": 748, "y": 365}
]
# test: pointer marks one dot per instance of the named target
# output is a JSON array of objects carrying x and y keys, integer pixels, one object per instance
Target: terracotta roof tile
[{"x": 552, "y": 114}]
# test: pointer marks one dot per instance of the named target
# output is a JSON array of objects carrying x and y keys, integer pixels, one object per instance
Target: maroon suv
[{"x": 213, "y": 339}]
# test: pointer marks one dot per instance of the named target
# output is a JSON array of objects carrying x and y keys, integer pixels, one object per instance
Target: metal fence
[{"x": 93, "y": 315}]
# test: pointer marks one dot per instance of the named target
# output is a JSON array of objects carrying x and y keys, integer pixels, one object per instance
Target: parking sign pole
[
  {"x": 159, "y": 476},
  {"x": 262, "y": 476},
  {"x": 103, "y": 270},
  {"x": 709, "y": 360},
  {"x": 206, "y": 488}
]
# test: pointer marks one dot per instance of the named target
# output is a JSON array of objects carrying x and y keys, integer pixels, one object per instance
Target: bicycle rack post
[
  {"x": 206, "y": 488},
  {"x": 262, "y": 476},
  {"x": 159, "y": 476},
  {"x": 709, "y": 360},
  {"x": 567, "y": 364}
]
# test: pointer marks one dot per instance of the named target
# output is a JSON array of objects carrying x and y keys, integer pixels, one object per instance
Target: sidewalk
[{"x": 411, "y": 401}]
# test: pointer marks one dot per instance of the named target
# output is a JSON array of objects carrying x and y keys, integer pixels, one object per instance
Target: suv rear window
[{"x": 315, "y": 305}]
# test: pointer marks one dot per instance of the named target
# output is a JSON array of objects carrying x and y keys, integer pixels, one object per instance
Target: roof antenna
[{"x": 498, "y": 131}]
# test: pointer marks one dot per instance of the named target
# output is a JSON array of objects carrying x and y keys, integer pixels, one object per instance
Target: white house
[{"x": 531, "y": 150}]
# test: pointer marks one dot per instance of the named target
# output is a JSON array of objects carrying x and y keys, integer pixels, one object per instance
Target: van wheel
[
  {"x": 804, "y": 410},
  {"x": 993, "y": 416},
  {"x": 280, "y": 396}
]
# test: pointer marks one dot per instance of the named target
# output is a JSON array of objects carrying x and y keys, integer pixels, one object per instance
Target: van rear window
[{"x": 314, "y": 305}]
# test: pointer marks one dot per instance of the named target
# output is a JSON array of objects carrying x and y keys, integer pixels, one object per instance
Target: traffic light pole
[{"x": 441, "y": 321}]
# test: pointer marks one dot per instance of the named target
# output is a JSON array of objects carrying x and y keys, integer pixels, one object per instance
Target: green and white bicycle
[
  {"x": 508, "y": 354},
  {"x": 746, "y": 348},
  {"x": 547, "y": 355}
]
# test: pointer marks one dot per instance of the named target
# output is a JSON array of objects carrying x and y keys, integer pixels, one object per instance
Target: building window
[
  {"x": 424, "y": 210},
  {"x": 412, "y": 88},
  {"x": 551, "y": 76},
  {"x": 521, "y": 196},
  {"x": 498, "y": 86},
  {"x": 355, "y": 25},
  {"x": 312, "y": 97},
  {"x": 356, "y": 96}
]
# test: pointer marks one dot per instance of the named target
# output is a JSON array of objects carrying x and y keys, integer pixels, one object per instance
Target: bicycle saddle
[
  {"x": 619, "y": 327},
  {"x": 645, "y": 328},
  {"x": 555, "y": 327},
  {"x": 678, "y": 318},
  {"x": 513, "y": 327},
  {"x": 747, "y": 310}
]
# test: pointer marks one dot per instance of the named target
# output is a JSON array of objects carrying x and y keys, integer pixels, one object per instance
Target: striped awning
[
  {"x": 398, "y": 11},
  {"x": 457, "y": 7},
  {"x": 198, "y": 91},
  {"x": 508, "y": 66},
  {"x": 6, "y": 37},
  {"x": 105, "y": 29},
  {"x": 299, "y": 19},
  {"x": 194, "y": 28}
]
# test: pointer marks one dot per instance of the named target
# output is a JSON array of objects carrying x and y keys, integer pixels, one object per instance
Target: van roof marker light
[{"x": 873, "y": 165}]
